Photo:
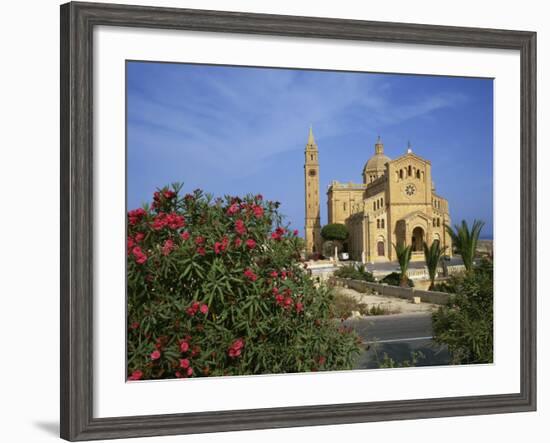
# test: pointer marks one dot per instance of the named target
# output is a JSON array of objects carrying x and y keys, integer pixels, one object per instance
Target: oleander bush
[
  {"x": 465, "y": 324},
  {"x": 216, "y": 287}
]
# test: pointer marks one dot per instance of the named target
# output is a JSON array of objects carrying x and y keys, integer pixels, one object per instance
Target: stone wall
[{"x": 435, "y": 297}]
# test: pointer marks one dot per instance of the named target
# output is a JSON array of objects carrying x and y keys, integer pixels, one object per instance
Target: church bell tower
[{"x": 313, "y": 215}]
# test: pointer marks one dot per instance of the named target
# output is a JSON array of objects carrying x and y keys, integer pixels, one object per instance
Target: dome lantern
[{"x": 376, "y": 165}]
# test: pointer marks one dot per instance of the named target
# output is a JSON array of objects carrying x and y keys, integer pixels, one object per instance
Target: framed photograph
[{"x": 273, "y": 221}]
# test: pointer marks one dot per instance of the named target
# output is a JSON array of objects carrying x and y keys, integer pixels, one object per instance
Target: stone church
[{"x": 395, "y": 203}]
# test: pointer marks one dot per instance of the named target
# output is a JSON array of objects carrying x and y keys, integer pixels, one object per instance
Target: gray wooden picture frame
[{"x": 77, "y": 23}]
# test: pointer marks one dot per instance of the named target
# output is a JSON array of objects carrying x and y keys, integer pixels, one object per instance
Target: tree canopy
[{"x": 335, "y": 231}]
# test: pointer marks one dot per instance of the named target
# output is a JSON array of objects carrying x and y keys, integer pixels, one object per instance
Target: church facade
[{"x": 395, "y": 203}]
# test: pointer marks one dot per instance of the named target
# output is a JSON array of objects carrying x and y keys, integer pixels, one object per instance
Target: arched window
[
  {"x": 380, "y": 248},
  {"x": 401, "y": 173},
  {"x": 378, "y": 223},
  {"x": 434, "y": 223},
  {"x": 438, "y": 222},
  {"x": 410, "y": 170},
  {"x": 374, "y": 206},
  {"x": 345, "y": 206},
  {"x": 312, "y": 156},
  {"x": 382, "y": 223},
  {"x": 382, "y": 202},
  {"x": 418, "y": 173}
]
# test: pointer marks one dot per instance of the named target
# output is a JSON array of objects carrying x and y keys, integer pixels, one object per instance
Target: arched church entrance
[
  {"x": 417, "y": 239},
  {"x": 380, "y": 248}
]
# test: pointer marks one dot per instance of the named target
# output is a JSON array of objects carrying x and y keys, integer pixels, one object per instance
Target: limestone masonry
[{"x": 396, "y": 203}]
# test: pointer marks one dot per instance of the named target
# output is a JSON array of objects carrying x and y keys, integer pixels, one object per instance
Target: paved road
[{"x": 398, "y": 336}]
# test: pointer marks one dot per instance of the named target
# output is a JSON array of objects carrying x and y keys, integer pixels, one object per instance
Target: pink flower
[
  {"x": 184, "y": 363},
  {"x": 219, "y": 247},
  {"x": 129, "y": 244},
  {"x": 199, "y": 240},
  {"x": 248, "y": 273},
  {"x": 169, "y": 194},
  {"x": 168, "y": 247},
  {"x": 299, "y": 307},
  {"x": 159, "y": 221},
  {"x": 189, "y": 372},
  {"x": 155, "y": 355},
  {"x": 238, "y": 242},
  {"x": 236, "y": 348},
  {"x": 184, "y": 235},
  {"x": 201, "y": 251},
  {"x": 204, "y": 309},
  {"x": 184, "y": 346},
  {"x": 172, "y": 220},
  {"x": 258, "y": 211},
  {"x": 135, "y": 216},
  {"x": 175, "y": 221},
  {"x": 192, "y": 310},
  {"x": 139, "y": 255},
  {"x": 295, "y": 232},
  {"x": 240, "y": 228},
  {"x": 140, "y": 236},
  {"x": 250, "y": 243},
  {"x": 136, "y": 375},
  {"x": 139, "y": 212},
  {"x": 274, "y": 274},
  {"x": 278, "y": 234},
  {"x": 233, "y": 209}
]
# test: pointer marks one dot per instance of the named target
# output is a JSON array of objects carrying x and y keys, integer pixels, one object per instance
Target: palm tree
[
  {"x": 465, "y": 240},
  {"x": 432, "y": 255},
  {"x": 404, "y": 254}
]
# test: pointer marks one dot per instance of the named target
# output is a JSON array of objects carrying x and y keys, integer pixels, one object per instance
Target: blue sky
[{"x": 238, "y": 130}]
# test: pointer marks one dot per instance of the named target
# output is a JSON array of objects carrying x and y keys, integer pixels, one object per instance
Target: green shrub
[
  {"x": 442, "y": 287},
  {"x": 394, "y": 279},
  {"x": 335, "y": 231},
  {"x": 465, "y": 325},
  {"x": 388, "y": 362},
  {"x": 380, "y": 309},
  {"x": 343, "y": 305},
  {"x": 215, "y": 287},
  {"x": 355, "y": 273}
]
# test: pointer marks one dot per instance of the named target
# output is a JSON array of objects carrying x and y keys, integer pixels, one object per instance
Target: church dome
[{"x": 378, "y": 161}]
